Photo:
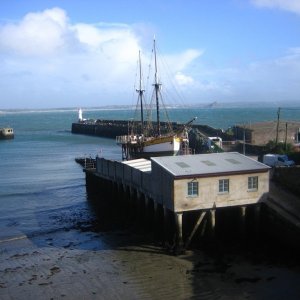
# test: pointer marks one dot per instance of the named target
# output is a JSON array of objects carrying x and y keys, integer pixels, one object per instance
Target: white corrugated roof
[
  {"x": 205, "y": 164},
  {"x": 141, "y": 164}
]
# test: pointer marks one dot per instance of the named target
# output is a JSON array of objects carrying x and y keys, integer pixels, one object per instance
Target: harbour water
[{"x": 42, "y": 191}]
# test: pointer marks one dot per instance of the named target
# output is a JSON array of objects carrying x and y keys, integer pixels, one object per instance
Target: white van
[{"x": 276, "y": 160}]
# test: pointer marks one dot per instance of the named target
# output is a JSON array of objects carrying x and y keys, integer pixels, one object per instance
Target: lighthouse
[{"x": 80, "y": 115}]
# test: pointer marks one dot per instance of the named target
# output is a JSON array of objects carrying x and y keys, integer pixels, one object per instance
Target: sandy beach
[{"x": 72, "y": 264}]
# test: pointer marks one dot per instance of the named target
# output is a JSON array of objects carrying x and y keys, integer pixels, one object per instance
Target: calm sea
[{"x": 41, "y": 186}]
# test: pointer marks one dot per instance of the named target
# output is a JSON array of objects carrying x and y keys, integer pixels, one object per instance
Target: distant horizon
[{"x": 283, "y": 104}]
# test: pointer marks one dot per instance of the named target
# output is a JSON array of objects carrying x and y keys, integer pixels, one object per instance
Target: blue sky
[{"x": 72, "y": 53}]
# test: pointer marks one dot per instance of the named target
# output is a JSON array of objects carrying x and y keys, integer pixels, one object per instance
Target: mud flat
[{"x": 83, "y": 264}]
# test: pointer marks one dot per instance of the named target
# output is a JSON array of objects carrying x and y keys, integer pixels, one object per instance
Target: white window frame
[
  {"x": 192, "y": 188},
  {"x": 223, "y": 186},
  {"x": 252, "y": 183}
]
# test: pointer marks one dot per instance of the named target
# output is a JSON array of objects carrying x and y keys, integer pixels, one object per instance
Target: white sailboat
[{"x": 148, "y": 145}]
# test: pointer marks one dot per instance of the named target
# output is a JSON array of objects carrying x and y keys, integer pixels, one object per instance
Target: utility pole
[
  {"x": 244, "y": 138},
  {"x": 277, "y": 128},
  {"x": 285, "y": 140}
]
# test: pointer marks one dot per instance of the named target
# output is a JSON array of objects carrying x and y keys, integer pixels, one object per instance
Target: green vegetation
[
  {"x": 278, "y": 148},
  {"x": 282, "y": 148},
  {"x": 198, "y": 142}
]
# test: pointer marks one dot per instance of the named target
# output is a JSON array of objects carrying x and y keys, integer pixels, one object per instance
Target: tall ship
[
  {"x": 149, "y": 139},
  {"x": 6, "y": 133}
]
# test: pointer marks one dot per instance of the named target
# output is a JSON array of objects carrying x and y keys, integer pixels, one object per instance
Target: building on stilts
[{"x": 168, "y": 188}]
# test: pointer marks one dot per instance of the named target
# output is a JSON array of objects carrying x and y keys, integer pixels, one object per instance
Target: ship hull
[
  {"x": 170, "y": 144},
  {"x": 153, "y": 147}
]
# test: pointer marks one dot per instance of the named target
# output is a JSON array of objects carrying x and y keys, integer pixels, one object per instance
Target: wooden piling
[
  {"x": 242, "y": 221},
  {"x": 213, "y": 222},
  {"x": 179, "y": 246},
  {"x": 165, "y": 226},
  {"x": 257, "y": 215},
  {"x": 199, "y": 221}
]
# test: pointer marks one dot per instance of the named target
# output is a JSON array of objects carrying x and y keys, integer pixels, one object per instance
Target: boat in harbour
[
  {"x": 149, "y": 139},
  {"x": 6, "y": 133}
]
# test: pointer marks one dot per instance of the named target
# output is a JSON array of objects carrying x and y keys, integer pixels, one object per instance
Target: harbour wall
[
  {"x": 113, "y": 128},
  {"x": 288, "y": 178}
]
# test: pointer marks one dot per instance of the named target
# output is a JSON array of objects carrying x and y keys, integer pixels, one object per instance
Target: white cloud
[
  {"x": 182, "y": 79},
  {"x": 36, "y": 34},
  {"x": 267, "y": 80},
  {"x": 115, "y": 41},
  {"x": 176, "y": 74},
  {"x": 288, "y": 5},
  {"x": 180, "y": 61},
  {"x": 47, "y": 59}
]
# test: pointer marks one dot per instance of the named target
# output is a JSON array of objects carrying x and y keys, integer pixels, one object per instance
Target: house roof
[
  {"x": 141, "y": 164},
  {"x": 211, "y": 164}
]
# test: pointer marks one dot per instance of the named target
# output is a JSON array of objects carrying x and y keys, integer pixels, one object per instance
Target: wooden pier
[{"x": 180, "y": 196}]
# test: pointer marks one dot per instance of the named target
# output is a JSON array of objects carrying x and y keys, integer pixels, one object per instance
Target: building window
[
  {"x": 224, "y": 186},
  {"x": 192, "y": 188},
  {"x": 253, "y": 183}
]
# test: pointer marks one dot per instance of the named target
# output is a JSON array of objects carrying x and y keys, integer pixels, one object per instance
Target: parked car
[{"x": 276, "y": 160}]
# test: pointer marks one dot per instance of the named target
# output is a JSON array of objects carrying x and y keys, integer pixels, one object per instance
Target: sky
[{"x": 84, "y": 53}]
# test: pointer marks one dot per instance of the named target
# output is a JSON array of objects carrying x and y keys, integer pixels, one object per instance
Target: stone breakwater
[{"x": 113, "y": 128}]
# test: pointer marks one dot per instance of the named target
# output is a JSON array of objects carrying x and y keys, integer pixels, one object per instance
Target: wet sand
[{"x": 71, "y": 264}]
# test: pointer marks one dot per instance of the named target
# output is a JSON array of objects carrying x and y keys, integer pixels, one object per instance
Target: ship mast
[
  {"x": 141, "y": 93},
  {"x": 156, "y": 87}
]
